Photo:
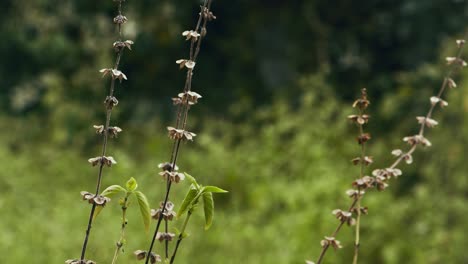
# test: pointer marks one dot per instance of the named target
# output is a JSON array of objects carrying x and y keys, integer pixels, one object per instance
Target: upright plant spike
[
  {"x": 179, "y": 133},
  {"x": 380, "y": 177},
  {"x": 105, "y": 131}
]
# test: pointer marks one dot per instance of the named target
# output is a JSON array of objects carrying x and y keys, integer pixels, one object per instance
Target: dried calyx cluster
[
  {"x": 380, "y": 177},
  {"x": 106, "y": 131},
  {"x": 178, "y": 133}
]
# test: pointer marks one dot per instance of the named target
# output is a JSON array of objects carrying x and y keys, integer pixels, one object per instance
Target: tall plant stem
[
  {"x": 181, "y": 120},
  {"x": 358, "y": 198},
  {"x": 413, "y": 148},
  {"x": 104, "y": 142}
]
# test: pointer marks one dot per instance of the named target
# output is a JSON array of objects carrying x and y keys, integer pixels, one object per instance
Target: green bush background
[{"x": 277, "y": 79}]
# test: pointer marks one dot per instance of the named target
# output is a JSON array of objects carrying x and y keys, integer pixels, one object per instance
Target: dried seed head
[
  {"x": 114, "y": 131},
  {"x": 344, "y": 216},
  {"x": 186, "y": 63},
  {"x": 178, "y": 134},
  {"x": 408, "y": 158},
  {"x": 362, "y": 103},
  {"x": 364, "y": 182},
  {"x": 120, "y": 19},
  {"x": 110, "y": 102},
  {"x": 363, "y": 138},
  {"x": 427, "y": 121},
  {"x": 161, "y": 236},
  {"x": 173, "y": 176},
  {"x": 456, "y": 61},
  {"x": 115, "y": 74},
  {"x": 109, "y": 161},
  {"x": 168, "y": 214},
  {"x": 331, "y": 241},
  {"x": 190, "y": 98},
  {"x": 140, "y": 254},
  {"x": 417, "y": 139},
  {"x": 207, "y": 14},
  {"x": 397, "y": 152},
  {"x": 99, "y": 129},
  {"x": 354, "y": 193},
  {"x": 380, "y": 183},
  {"x": 190, "y": 34},
  {"x": 359, "y": 119},
  {"x": 167, "y": 166},
  {"x": 98, "y": 200},
  {"x": 120, "y": 45}
]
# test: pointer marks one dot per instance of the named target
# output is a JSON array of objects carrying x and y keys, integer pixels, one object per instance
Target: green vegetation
[{"x": 276, "y": 93}]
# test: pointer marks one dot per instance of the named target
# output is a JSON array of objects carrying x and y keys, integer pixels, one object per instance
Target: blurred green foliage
[{"x": 277, "y": 79}]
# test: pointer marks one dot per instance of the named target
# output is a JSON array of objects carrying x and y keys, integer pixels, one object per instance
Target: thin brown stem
[
  {"x": 181, "y": 121},
  {"x": 104, "y": 144}
]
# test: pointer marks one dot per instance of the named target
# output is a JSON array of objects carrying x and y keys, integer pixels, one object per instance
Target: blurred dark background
[{"x": 278, "y": 79}]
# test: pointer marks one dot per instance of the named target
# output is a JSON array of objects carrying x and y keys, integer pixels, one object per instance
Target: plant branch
[{"x": 446, "y": 83}]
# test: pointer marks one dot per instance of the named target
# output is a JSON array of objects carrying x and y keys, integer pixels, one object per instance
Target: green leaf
[
  {"x": 112, "y": 190},
  {"x": 189, "y": 199},
  {"x": 208, "y": 207},
  {"x": 192, "y": 180},
  {"x": 213, "y": 189},
  {"x": 131, "y": 184},
  {"x": 144, "y": 209}
]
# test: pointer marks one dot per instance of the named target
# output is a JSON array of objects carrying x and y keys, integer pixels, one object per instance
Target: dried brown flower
[
  {"x": 168, "y": 214},
  {"x": 417, "y": 139},
  {"x": 177, "y": 134},
  {"x": 186, "y": 63},
  {"x": 173, "y": 176},
  {"x": 119, "y": 45},
  {"x": 110, "y": 102},
  {"x": 331, "y": 241},
  {"x": 115, "y": 74},
  {"x": 161, "y": 236},
  {"x": 359, "y": 119},
  {"x": 427, "y": 121},
  {"x": 109, "y": 161},
  {"x": 190, "y": 34},
  {"x": 343, "y": 216},
  {"x": 167, "y": 166},
  {"x": 456, "y": 61},
  {"x": 98, "y": 200},
  {"x": 140, "y": 254},
  {"x": 363, "y": 138},
  {"x": 354, "y": 193},
  {"x": 364, "y": 182},
  {"x": 120, "y": 19}
]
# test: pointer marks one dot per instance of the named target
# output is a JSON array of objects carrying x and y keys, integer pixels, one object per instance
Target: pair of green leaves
[
  {"x": 130, "y": 190},
  {"x": 193, "y": 196}
]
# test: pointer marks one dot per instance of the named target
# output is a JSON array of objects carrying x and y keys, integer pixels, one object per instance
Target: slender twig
[
  {"x": 363, "y": 161},
  {"x": 181, "y": 236},
  {"x": 419, "y": 139},
  {"x": 105, "y": 131},
  {"x": 182, "y": 113},
  {"x": 120, "y": 243}
]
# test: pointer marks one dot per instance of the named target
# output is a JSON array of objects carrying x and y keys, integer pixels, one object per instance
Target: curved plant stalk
[{"x": 382, "y": 176}]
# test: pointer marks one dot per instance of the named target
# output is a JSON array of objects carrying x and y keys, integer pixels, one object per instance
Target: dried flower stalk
[
  {"x": 178, "y": 133},
  {"x": 105, "y": 130},
  {"x": 381, "y": 176}
]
